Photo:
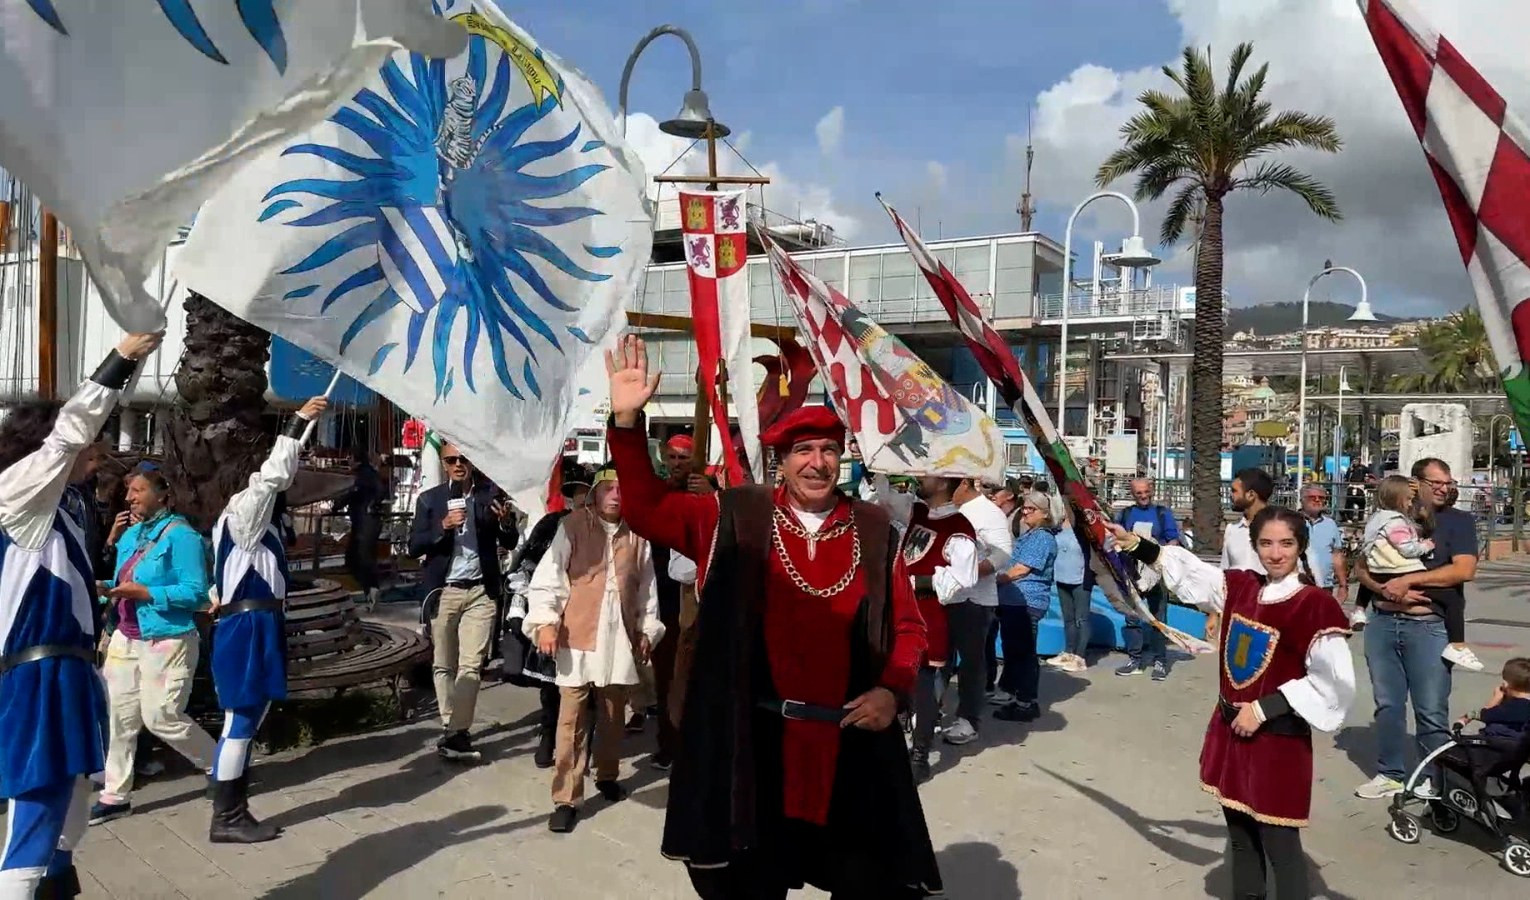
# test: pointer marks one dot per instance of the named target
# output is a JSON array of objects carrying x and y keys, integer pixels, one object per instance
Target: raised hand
[
  {"x": 314, "y": 408},
  {"x": 631, "y": 384},
  {"x": 137, "y": 346}
]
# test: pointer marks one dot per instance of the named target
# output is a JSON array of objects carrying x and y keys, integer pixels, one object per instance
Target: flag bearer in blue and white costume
[
  {"x": 249, "y": 653},
  {"x": 53, "y": 710}
]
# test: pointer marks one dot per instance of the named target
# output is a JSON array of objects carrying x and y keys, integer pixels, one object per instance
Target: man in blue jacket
[
  {"x": 459, "y": 528},
  {"x": 1156, "y": 521}
]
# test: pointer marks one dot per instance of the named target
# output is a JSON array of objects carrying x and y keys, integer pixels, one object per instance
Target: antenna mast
[{"x": 1027, "y": 209}]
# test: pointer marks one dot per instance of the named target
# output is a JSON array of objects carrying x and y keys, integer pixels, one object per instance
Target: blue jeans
[
  {"x": 1074, "y": 600},
  {"x": 1403, "y": 656},
  {"x": 1022, "y": 667},
  {"x": 1131, "y": 633}
]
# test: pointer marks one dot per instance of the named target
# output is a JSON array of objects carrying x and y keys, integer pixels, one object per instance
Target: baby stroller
[{"x": 1480, "y": 780}]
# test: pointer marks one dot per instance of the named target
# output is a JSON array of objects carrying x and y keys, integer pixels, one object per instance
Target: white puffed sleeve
[
  {"x": 1194, "y": 581},
  {"x": 1324, "y": 695}
]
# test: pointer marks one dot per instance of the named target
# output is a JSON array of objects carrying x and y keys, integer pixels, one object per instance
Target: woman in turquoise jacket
[{"x": 161, "y": 583}]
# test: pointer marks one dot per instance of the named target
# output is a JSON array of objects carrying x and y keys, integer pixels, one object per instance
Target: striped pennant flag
[
  {"x": 1479, "y": 153},
  {"x": 998, "y": 363}
]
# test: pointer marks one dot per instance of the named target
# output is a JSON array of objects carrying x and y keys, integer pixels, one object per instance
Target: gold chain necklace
[{"x": 781, "y": 521}]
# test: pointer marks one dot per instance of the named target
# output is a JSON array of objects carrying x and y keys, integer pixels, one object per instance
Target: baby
[
  {"x": 1507, "y": 714},
  {"x": 1395, "y": 545}
]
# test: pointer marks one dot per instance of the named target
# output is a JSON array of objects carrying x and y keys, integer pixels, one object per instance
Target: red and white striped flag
[
  {"x": 716, "y": 252},
  {"x": 905, "y": 418},
  {"x": 998, "y": 363},
  {"x": 1477, "y": 150}
]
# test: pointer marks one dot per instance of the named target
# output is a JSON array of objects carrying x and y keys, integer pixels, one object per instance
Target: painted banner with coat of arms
[
  {"x": 905, "y": 418},
  {"x": 715, "y": 232}
]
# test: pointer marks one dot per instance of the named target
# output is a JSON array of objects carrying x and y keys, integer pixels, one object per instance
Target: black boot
[
  {"x": 919, "y": 761},
  {"x": 545, "y": 745},
  {"x": 231, "y": 819},
  {"x": 59, "y": 887}
]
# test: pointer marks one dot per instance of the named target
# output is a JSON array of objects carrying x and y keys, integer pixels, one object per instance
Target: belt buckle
[{"x": 792, "y": 709}]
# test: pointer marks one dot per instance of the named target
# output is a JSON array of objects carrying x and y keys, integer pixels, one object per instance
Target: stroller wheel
[
  {"x": 1404, "y": 827},
  {"x": 1443, "y": 818},
  {"x": 1516, "y": 857}
]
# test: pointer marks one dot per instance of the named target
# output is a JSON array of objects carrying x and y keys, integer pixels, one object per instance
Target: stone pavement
[{"x": 1096, "y": 799}]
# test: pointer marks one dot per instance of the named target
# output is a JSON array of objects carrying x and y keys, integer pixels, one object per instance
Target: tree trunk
[
  {"x": 215, "y": 434},
  {"x": 1206, "y": 383}
]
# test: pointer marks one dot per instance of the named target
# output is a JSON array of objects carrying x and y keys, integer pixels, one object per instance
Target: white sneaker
[
  {"x": 1461, "y": 656},
  {"x": 1358, "y": 618},
  {"x": 1000, "y": 698},
  {"x": 961, "y": 733},
  {"x": 1425, "y": 789},
  {"x": 1076, "y": 664},
  {"x": 1379, "y": 788},
  {"x": 1060, "y": 661}
]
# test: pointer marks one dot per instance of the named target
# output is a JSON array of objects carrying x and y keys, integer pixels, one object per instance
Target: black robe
[{"x": 725, "y": 795}]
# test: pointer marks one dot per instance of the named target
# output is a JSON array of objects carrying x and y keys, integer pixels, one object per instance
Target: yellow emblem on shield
[{"x": 696, "y": 215}]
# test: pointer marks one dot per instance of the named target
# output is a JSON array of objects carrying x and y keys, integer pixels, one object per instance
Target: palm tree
[
  {"x": 1459, "y": 357},
  {"x": 1202, "y": 140},
  {"x": 215, "y": 435}
]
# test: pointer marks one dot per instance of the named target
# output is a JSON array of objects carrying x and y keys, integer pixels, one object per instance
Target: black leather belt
[
  {"x": 45, "y": 651},
  {"x": 1289, "y": 724},
  {"x": 244, "y": 606},
  {"x": 465, "y": 585},
  {"x": 806, "y": 712}
]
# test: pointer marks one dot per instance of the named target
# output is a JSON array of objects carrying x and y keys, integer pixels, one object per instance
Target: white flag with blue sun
[
  {"x": 461, "y": 237},
  {"x": 124, "y": 116}
]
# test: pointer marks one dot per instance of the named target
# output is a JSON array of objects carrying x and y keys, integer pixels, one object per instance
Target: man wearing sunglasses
[{"x": 459, "y": 528}]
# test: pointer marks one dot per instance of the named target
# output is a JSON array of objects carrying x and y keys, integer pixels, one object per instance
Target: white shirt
[
  {"x": 1324, "y": 695},
  {"x": 611, "y": 662},
  {"x": 1238, "y": 547},
  {"x": 994, "y": 545}
]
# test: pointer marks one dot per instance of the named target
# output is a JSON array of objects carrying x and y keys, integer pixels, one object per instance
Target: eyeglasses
[
  {"x": 1439, "y": 485},
  {"x": 453, "y": 460},
  {"x": 1026, "y": 509}
]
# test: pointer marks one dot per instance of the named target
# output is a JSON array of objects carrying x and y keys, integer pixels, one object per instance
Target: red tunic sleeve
[
  {"x": 908, "y": 640},
  {"x": 682, "y": 521}
]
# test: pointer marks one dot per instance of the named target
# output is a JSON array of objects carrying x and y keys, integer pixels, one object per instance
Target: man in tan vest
[{"x": 592, "y": 605}]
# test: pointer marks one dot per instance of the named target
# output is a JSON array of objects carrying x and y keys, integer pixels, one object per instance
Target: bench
[{"x": 329, "y": 647}]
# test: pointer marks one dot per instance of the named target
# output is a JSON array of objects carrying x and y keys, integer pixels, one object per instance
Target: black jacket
[{"x": 428, "y": 539}]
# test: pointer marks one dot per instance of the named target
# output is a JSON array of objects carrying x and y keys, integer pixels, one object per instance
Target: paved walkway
[{"x": 1096, "y": 799}]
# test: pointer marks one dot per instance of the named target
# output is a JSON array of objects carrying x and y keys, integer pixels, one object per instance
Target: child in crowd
[
  {"x": 1395, "y": 544},
  {"x": 1507, "y": 714}
]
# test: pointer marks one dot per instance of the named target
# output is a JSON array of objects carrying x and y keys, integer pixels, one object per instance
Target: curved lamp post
[
  {"x": 1134, "y": 253},
  {"x": 1362, "y": 313}
]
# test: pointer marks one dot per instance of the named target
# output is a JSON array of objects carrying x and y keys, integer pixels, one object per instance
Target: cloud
[
  {"x": 1321, "y": 61},
  {"x": 786, "y": 194},
  {"x": 937, "y": 173},
  {"x": 830, "y": 130}
]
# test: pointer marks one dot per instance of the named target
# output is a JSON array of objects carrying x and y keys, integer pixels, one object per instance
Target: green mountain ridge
[{"x": 1286, "y": 317}]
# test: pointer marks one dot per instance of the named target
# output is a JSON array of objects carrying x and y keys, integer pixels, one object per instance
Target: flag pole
[
  {"x": 47, "y": 307},
  {"x": 333, "y": 382}
]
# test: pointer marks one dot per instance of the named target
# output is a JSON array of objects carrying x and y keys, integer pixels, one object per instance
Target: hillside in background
[{"x": 1283, "y": 318}]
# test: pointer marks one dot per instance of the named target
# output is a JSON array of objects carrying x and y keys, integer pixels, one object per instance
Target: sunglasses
[{"x": 453, "y": 460}]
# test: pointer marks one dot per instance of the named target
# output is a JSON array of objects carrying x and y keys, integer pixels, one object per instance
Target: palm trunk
[
  {"x": 1206, "y": 382},
  {"x": 215, "y": 434}
]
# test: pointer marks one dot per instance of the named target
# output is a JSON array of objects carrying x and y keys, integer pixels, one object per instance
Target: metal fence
[{"x": 1501, "y": 512}]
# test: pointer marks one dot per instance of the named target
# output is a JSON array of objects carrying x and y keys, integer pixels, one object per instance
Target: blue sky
[
  {"x": 915, "y": 87},
  {"x": 934, "y": 100}
]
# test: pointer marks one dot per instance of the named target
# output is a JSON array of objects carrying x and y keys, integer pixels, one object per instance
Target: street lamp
[
  {"x": 1338, "y": 428},
  {"x": 1362, "y": 313},
  {"x": 1134, "y": 254},
  {"x": 694, "y": 120},
  {"x": 1492, "y": 442}
]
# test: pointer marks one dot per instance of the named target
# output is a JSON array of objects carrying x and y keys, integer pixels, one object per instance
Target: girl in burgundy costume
[{"x": 1285, "y": 669}]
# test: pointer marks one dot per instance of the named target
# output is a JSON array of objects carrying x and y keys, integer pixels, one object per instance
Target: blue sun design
[{"x": 450, "y": 211}]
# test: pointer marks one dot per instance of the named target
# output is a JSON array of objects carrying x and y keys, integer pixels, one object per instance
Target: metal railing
[
  {"x": 1500, "y": 512},
  {"x": 1082, "y": 304}
]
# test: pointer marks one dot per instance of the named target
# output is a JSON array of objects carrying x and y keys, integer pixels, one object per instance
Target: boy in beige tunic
[{"x": 593, "y": 606}]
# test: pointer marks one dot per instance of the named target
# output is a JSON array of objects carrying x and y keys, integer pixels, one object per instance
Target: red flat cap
[
  {"x": 806, "y": 423},
  {"x": 681, "y": 443}
]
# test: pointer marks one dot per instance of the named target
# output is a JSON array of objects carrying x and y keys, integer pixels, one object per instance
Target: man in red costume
[{"x": 788, "y": 770}]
